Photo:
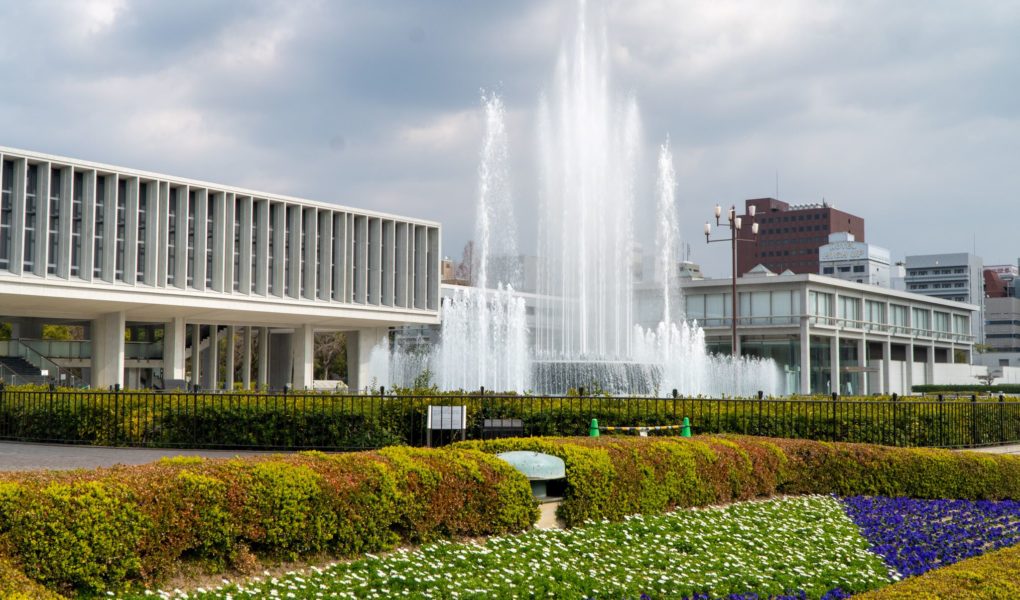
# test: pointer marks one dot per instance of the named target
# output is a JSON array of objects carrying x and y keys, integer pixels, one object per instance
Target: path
[{"x": 16, "y": 456}]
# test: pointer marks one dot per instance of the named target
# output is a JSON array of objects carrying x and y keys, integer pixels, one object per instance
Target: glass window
[
  {"x": 53, "y": 233},
  {"x": 210, "y": 229},
  {"x": 942, "y": 322},
  {"x": 898, "y": 317},
  {"x": 961, "y": 324},
  {"x": 921, "y": 319},
  {"x": 143, "y": 218},
  {"x": 31, "y": 216},
  {"x": 237, "y": 244},
  {"x": 98, "y": 230},
  {"x": 874, "y": 312},
  {"x": 122, "y": 192},
  {"x": 827, "y": 270},
  {"x": 6, "y": 211},
  {"x": 850, "y": 309},
  {"x": 171, "y": 237},
  {"x": 191, "y": 239},
  {"x": 695, "y": 307},
  {"x": 77, "y": 219}
]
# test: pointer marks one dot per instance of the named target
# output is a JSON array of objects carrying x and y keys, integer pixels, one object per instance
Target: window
[
  {"x": 850, "y": 309},
  {"x": 121, "y": 216},
  {"x": 237, "y": 244},
  {"x": 821, "y": 304},
  {"x": 6, "y": 197},
  {"x": 143, "y": 217},
  {"x": 99, "y": 228},
  {"x": 210, "y": 229},
  {"x": 190, "y": 281},
  {"x": 874, "y": 312},
  {"x": 827, "y": 270},
  {"x": 845, "y": 269},
  {"x": 53, "y": 234},
  {"x": 921, "y": 319},
  {"x": 31, "y": 216},
  {"x": 858, "y": 268},
  {"x": 171, "y": 237},
  {"x": 77, "y": 218},
  {"x": 898, "y": 317},
  {"x": 961, "y": 324},
  {"x": 942, "y": 322}
]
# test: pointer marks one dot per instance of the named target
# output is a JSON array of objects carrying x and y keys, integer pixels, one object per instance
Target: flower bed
[
  {"x": 915, "y": 536},
  {"x": 750, "y": 550}
]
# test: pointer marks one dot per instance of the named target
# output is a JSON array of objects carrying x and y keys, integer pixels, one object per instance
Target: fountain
[{"x": 584, "y": 331}]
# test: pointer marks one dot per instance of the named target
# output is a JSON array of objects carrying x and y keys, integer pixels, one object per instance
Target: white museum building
[{"x": 158, "y": 269}]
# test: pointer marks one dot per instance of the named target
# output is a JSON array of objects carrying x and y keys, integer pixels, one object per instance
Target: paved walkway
[
  {"x": 1011, "y": 449},
  {"x": 15, "y": 456}
]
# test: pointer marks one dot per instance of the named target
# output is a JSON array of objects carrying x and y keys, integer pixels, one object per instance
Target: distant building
[
  {"x": 1002, "y": 333},
  {"x": 847, "y": 259},
  {"x": 958, "y": 277},
  {"x": 789, "y": 236},
  {"x": 1001, "y": 280}
]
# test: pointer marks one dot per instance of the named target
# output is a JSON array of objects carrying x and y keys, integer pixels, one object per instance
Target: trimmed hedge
[
  {"x": 992, "y": 576},
  {"x": 611, "y": 477},
  {"x": 93, "y": 531},
  {"x": 1002, "y": 388},
  {"x": 15, "y": 586}
]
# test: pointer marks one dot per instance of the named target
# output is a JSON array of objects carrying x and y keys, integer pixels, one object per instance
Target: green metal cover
[{"x": 535, "y": 465}]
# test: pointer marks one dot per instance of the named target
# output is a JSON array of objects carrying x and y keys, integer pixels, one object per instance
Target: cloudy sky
[{"x": 906, "y": 113}]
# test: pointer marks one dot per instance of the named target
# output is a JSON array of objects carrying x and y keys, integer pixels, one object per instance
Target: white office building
[
  {"x": 179, "y": 264},
  {"x": 956, "y": 276},
  {"x": 847, "y": 259}
]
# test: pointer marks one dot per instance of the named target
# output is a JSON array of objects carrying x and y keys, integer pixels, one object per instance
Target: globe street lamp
[{"x": 735, "y": 223}]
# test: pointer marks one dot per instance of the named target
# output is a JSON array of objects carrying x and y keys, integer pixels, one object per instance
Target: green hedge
[
  {"x": 365, "y": 422},
  {"x": 1004, "y": 388},
  {"x": 92, "y": 531},
  {"x": 610, "y": 477}
]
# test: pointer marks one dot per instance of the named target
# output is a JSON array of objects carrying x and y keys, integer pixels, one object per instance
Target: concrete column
[
  {"x": 359, "y": 351},
  {"x": 805, "y": 356},
  {"x": 27, "y": 328},
  {"x": 173, "y": 349},
  {"x": 211, "y": 361},
  {"x": 231, "y": 362},
  {"x": 886, "y": 366},
  {"x": 834, "y": 364},
  {"x": 263, "y": 370},
  {"x": 909, "y": 383},
  {"x": 108, "y": 350},
  {"x": 302, "y": 349},
  {"x": 862, "y": 361},
  {"x": 196, "y": 354},
  {"x": 246, "y": 359},
  {"x": 929, "y": 368}
]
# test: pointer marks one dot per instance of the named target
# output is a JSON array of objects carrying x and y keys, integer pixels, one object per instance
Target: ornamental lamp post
[{"x": 734, "y": 223}]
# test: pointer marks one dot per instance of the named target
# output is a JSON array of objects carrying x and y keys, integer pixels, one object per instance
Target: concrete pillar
[
  {"x": 886, "y": 367},
  {"x": 834, "y": 373},
  {"x": 196, "y": 354},
  {"x": 302, "y": 357},
  {"x": 909, "y": 383},
  {"x": 108, "y": 350},
  {"x": 27, "y": 328},
  {"x": 173, "y": 348},
  {"x": 359, "y": 352},
  {"x": 211, "y": 361},
  {"x": 231, "y": 362},
  {"x": 263, "y": 370},
  {"x": 805, "y": 356},
  {"x": 246, "y": 359},
  {"x": 862, "y": 361},
  {"x": 929, "y": 368},
  {"x": 280, "y": 359}
]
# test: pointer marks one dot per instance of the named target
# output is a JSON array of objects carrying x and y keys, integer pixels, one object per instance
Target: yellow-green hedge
[
  {"x": 610, "y": 477},
  {"x": 92, "y": 531}
]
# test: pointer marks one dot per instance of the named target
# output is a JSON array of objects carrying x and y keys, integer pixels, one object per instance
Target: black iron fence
[{"x": 356, "y": 422}]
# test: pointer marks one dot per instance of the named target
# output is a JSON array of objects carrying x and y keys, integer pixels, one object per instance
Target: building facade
[
  {"x": 955, "y": 276},
  {"x": 181, "y": 263},
  {"x": 790, "y": 236},
  {"x": 830, "y": 335},
  {"x": 845, "y": 258}
]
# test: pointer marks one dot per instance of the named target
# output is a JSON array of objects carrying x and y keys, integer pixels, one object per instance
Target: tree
[
  {"x": 331, "y": 355},
  {"x": 987, "y": 378}
]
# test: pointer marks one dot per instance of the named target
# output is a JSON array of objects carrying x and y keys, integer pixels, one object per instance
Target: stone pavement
[
  {"x": 15, "y": 456},
  {"x": 1010, "y": 449}
]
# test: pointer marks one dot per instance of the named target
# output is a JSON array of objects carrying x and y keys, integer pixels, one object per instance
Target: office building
[
  {"x": 790, "y": 236},
  {"x": 845, "y": 258},
  {"x": 957, "y": 276}
]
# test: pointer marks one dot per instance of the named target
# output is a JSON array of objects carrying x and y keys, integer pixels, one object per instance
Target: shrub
[
  {"x": 611, "y": 477},
  {"x": 90, "y": 531}
]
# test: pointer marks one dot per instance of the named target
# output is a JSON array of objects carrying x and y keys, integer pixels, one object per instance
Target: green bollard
[
  {"x": 593, "y": 430},
  {"x": 685, "y": 431}
]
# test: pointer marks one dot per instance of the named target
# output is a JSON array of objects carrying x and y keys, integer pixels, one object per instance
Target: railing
[
  {"x": 27, "y": 349},
  {"x": 357, "y": 422}
]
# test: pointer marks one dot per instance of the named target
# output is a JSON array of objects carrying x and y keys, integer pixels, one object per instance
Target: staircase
[{"x": 15, "y": 370}]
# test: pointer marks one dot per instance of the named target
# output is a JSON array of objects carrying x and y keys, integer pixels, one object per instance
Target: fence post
[
  {"x": 835, "y": 417},
  {"x": 942, "y": 433},
  {"x": 895, "y": 415},
  {"x": 757, "y": 429},
  {"x": 1002, "y": 418},
  {"x": 973, "y": 420}
]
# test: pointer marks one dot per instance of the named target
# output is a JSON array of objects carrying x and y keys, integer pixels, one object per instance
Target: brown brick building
[{"x": 789, "y": 236}]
